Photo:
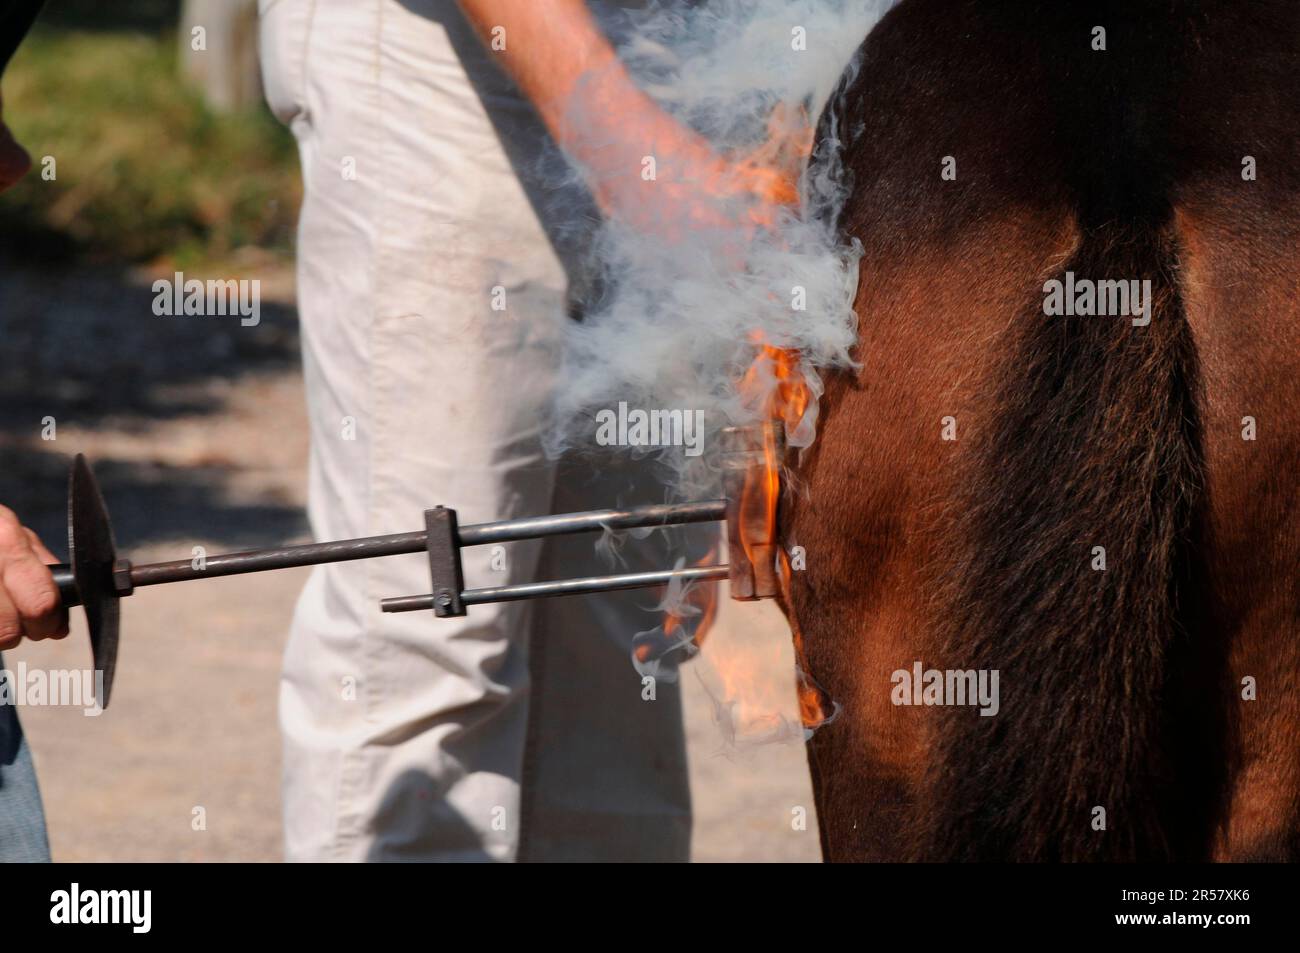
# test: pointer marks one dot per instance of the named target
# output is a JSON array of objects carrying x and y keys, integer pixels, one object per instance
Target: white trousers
[{"x": 432, "y": 298}]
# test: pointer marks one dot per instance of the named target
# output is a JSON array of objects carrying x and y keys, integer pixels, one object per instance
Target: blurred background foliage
[{"x": 145, "y": 171}]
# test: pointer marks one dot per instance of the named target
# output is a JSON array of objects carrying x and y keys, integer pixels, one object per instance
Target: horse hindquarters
[{"x": 1072, "y": 433}]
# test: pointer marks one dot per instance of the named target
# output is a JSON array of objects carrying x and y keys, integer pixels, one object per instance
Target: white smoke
[
  {"x": 683, "y": 300},
  {"x": 686, "y": 292}
]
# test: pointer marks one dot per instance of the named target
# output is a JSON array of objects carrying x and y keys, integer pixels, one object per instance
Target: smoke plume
[{"x": 689, "y": 289}]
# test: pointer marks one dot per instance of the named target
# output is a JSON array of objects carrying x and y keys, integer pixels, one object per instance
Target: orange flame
[
  {"x": 812, "y": 700},
  {"x": 696, "y": 602},
  {"x": 766, "y": 179},
  {"x": 775, "y": 388},
  {"x": 774, "y": 385},
  {"x": 771, "y": 172}
]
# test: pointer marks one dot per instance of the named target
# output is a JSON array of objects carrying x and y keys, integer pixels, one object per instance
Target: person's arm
[{"x": 560, "y": 59}]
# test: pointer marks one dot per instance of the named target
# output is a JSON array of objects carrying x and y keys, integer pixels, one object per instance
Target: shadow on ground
[{"x": 84, "y": 350}]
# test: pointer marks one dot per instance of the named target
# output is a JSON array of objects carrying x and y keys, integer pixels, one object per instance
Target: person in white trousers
[{"x": 434, "y": 255}]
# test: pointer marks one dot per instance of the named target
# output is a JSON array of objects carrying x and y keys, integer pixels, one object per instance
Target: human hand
[
  {"x": 662, "y": 177},
  {"x": 29, "y": 600}
]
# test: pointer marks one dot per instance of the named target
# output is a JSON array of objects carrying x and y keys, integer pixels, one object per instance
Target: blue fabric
[{"x": 22, "y": 819}]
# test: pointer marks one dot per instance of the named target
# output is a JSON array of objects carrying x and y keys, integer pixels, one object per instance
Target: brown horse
[{"x": 970, "y": 483}]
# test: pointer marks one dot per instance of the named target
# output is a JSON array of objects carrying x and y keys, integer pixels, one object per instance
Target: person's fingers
[
  {"x": 48, "y": 559},
  {"x": 11, "y": 629},
  {"x": 32, "y": 592},
  {"x": 29, "y": 588}
]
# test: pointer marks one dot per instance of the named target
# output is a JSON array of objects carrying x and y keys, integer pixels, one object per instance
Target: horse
[{"x": 1106, "y": 513}]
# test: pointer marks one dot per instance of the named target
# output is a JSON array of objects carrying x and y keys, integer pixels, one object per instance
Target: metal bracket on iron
[{"x": 444, "y": 562}]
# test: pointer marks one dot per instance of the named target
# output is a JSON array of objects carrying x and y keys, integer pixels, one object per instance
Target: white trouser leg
[{"x": 404, "y": 736}]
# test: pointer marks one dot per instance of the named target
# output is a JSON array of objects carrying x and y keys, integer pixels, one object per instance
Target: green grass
[{"x": 145, "y": 171}]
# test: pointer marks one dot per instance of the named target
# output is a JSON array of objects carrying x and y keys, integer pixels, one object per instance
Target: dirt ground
[{"x": 207, "y": 445}]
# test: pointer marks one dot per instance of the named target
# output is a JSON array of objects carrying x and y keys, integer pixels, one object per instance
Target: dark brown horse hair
[{"x": 1096, "y": 443}]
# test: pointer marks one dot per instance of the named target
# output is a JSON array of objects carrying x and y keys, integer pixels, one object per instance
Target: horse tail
[{"x": 1074, "y": 573}]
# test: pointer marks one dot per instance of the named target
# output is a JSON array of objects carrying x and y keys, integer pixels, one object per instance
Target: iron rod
[
  {"x": 563, "y": 524},
  {"x": 285, "y": 557},
  {"x": 561, "y": 587},
  {"x": 504, "y": 531}
]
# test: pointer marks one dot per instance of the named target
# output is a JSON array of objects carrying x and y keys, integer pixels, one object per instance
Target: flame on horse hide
[
  {"x": 727, "y": 287},
  {"x": 775, "y": 390}
]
